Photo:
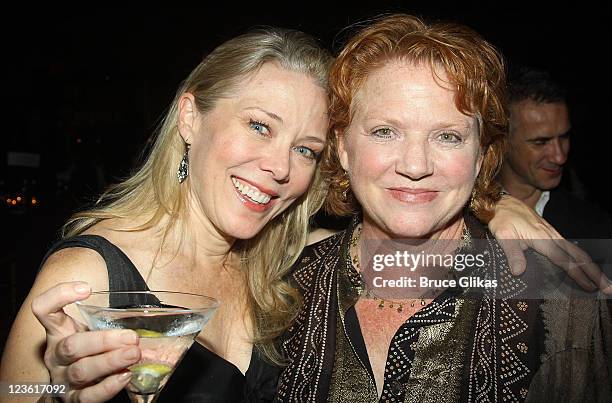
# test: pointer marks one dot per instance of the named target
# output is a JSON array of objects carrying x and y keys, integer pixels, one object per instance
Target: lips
[
  {"x": 553, "y": 172},
  {"x": 252, "y": 196},
  {"x": 409, "y": 195}
]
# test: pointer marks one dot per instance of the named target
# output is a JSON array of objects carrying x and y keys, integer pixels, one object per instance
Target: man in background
[{"x": 539, "y": 144}]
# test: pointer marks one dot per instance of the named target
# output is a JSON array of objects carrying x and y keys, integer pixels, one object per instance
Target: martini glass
[{"x": 167, "y": 323}]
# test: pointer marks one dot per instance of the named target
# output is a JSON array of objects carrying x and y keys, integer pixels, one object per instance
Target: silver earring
[{"x": 183, "y": 170}]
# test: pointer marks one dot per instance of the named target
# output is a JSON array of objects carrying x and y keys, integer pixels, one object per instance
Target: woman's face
[
  {"x": 412, "y": 157},
  {"x": 256, "y": 151}
]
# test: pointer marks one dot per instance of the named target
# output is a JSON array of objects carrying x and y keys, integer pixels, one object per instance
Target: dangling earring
[
  {"x": 345, "y": 185},
  {"x": 473, "y": 199},
  {"x": 183, "y": 170}
]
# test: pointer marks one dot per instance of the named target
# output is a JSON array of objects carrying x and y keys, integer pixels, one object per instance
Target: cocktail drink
[{"x": 167, "y": 323}]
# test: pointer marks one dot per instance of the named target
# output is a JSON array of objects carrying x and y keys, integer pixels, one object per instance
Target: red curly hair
[{"x": 473, "y": 66}]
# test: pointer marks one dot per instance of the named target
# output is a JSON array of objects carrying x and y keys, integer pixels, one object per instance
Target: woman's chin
[
  {"x": 246, "y": 233},
  {"x": 409, "y": 231},
  {"x": 417, "y": 229},
  {"x": 240, "y": 230}
]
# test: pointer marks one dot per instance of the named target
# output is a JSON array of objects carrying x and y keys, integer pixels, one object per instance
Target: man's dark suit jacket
[{"x": 575, "y": 218}]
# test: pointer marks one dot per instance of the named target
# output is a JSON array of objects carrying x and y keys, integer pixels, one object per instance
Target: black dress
[{"x": 202, "y": 376}]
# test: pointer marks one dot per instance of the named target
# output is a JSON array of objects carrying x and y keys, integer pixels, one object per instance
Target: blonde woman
[{"x": 232, "y": 171}]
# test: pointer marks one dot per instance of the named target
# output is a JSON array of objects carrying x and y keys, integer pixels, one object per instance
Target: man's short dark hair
[{"x": 537, "y": 85}]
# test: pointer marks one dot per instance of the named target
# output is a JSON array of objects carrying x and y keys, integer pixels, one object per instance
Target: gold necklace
[{"x": 397, "y": 305}]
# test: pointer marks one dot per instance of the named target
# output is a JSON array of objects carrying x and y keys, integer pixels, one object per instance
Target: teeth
[{"x": 251, "y": 193}]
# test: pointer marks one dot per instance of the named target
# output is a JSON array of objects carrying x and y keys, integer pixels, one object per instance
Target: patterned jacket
[{"x": 460, "y": 348}]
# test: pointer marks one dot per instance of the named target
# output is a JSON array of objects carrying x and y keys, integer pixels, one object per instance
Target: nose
[
  {"x": 414, "y": 161},
  {"x": 558, "y": 151},
  {"x": 278, "y": 163}
]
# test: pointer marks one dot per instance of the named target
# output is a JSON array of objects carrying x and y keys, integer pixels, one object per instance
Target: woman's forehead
[{"x": 407, "y": 91}]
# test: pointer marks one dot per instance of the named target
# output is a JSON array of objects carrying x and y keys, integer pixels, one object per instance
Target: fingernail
[
  {"x": 129, "y": 337},
  {"x": 82, "y": 288},
  {"x": 124, "y": 376}
]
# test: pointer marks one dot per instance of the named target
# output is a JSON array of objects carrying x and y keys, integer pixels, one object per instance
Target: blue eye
[
  {"x": 306, "y": 152},
  {"x": 383, "y": 133},
  {"x": 261, "y": 128},
  {"x": 448, "y": 137}
]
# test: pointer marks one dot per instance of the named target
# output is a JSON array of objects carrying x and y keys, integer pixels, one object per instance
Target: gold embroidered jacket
[{"x": 492, "y": 348}]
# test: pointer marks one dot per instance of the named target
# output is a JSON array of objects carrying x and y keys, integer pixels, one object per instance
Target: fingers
[
  {"x": 593, "y": 273},
  {"x": 104, "y": 390},
  {"x": 85, "y": 344},
  {"x": 592, "y": 270},
  {"x": 89, "y": 369},
  {"x": 606, "y": 287},
  {"x": 48, "y": 306},
  {"x": 577, "y": 273},
  {"x": 573, "y": 260},
  {"x": 515, "y": 255},
  {"x": 515, "y": 220}
]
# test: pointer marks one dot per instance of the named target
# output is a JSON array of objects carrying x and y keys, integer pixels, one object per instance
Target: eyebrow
[
  {"x": 467, "y": 125},
  {"x": 313, "y": 139},
  {"x": 542, "y": 138},
  {"x": 272, "y": 115}
]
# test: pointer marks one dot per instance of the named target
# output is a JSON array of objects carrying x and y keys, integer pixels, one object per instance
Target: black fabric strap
[{"x": 122, "y": 274}]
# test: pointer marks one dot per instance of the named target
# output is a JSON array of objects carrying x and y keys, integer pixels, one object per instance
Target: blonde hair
[
  {"x": 473, "y": 65},
  {"x": 153, "y": 190}
]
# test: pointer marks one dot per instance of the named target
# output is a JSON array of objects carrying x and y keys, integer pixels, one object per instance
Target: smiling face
[
  {"x": 411, "y": 155},
  {"x": 255, "y": 152},
  {"x": 539, "y": 143}
]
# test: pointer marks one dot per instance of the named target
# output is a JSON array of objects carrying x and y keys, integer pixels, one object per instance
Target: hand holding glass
[{"x": 167, "y": 323}]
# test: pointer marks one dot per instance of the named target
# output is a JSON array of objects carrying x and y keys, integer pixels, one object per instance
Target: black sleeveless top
[{"x": 202, "y": 376}]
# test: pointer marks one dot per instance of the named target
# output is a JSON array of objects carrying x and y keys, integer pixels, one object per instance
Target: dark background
[{"x": 84, "y": 89}]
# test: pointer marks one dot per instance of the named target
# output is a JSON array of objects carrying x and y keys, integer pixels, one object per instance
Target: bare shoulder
[
  {"x": 75, "y": 264},
  {"x": 72, "y": 264},
  {"x": 319, "y": 234}
]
